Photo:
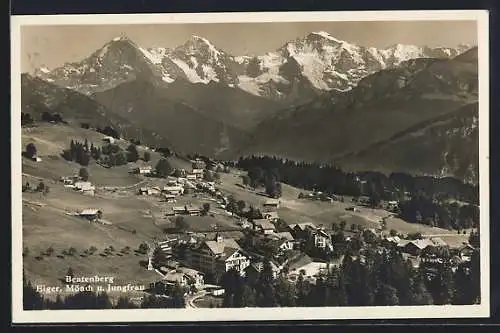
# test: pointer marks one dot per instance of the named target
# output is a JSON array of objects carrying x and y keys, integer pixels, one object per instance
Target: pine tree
[
  {"x": 132, "y": 153},
  {"x": 178, "y": 300},
  {"x": 386, "y": 295},
  {"x": 285, "y": 293}
]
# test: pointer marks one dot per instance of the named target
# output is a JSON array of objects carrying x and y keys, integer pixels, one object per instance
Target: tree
[
  {"x": 245, "y": 296},
  {"x": 132, "y": 153},
  {"x": 206, "y": 208},
  {"x": 256, "y": 176},
  {"x": 393, "y": 232},
  {"x": 71, "y": 251},
  {"x": 342, "y": 224},
  {"x": 120, "y": 158},
  {"x": 26, "y": 119},
  {"x": 163, "y": 168},
  {"x": 49, "y": 251},
  {"x": 245, "y": 179},
  {"x": 181, "y": 224},
  {"x": 158, "y": 258},
  {"x": 231, "y": 205},
  {"x": 111, "y": 132},
  {"x": 386, "y": 295},
  {"x": 124, "y": 303},
  {"x": 241, "y": 206},
  {"x": 273, "y": 186},
  {"x": 143, "y": 248},
  {"x": 40, "y": 187},
  {"x": 285, "y": 292},
  {"x": 31, "y": 150},
  {"x": 32, "y": 299},
  {"x": 147, "y": 156},
  {"x": 84, "y": 174},
  {"x": 70, "y": 272}
]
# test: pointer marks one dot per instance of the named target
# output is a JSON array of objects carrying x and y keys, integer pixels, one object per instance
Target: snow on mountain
[{"x": 317, "y": 62}]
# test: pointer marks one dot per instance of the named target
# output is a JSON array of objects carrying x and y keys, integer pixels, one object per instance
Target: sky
[{"x": 52, "y": 46}]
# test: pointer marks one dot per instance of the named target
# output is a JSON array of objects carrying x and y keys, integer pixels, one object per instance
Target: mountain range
[
  {"x": 299, "y": 70},
  {"x": 316, "y": 98}
]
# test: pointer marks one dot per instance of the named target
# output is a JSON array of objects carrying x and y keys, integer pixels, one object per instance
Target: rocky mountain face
[
  {"x": 118, "y": 61},
  {"x": 382, "y": 105},
  {"x": 296, "y": 72}
]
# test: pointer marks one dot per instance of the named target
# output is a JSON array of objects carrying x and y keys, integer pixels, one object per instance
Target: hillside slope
[
  {"x": 39, "y": 96},
  {"x": 382, "y": 105},
  {"x": 444, "y": 146},
  {"x": 144, "y": 103}
]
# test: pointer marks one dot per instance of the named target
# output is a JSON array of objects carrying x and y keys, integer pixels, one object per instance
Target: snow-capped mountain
[
  {"x": 329, "y": 63},
  {"x": 118, "y": 61},
  {"x": 297, "y": 71}
]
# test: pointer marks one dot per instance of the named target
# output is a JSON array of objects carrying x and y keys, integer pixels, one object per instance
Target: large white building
[{"x": 218, "y": 256}]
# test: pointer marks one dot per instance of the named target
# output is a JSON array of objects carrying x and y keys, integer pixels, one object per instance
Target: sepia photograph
[{"x": 211, "y": 167}]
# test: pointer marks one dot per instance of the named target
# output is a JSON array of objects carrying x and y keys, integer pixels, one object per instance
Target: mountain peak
[
  {"x": 120, "y": 38},
  {"x": 324, "y": 35},
  {"x": 196, "y": 44}
]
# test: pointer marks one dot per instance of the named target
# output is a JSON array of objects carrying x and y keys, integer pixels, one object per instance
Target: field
[{"x": 134, "y": 218}]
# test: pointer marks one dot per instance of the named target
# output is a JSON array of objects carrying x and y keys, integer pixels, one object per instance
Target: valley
[{"x": 321, "y": 167}]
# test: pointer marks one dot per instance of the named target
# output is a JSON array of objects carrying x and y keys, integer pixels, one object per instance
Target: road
[{"x": 191, "y": 298}]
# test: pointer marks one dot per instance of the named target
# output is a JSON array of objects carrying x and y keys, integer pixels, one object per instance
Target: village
[
  {"x": 197, "y": 259},
  {"x": 203, "y": 220}
]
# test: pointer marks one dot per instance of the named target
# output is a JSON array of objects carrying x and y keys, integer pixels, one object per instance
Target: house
[
  {"x": 415, "y": 247},
  {"x": 91, "y": 214},
  {"x": 271, "y": 204},
  {"x": 198, "y": 164},
  {"x": 465, "y": 252},
  {"x": 70, "y": 181},
  {"x": 264, "y": 226},
  {"x": 85, "y": 187},
  {"x": 321, "y": 239},
  {"x": 283, "y": 241},
  {"x": 36, "y": 158},
  {"x": 218, "y": 256},
  {"x": 188, "y": 239},
  {"x": 198, "y": 173},
  {"x": 191, "y": 177},
  {"x": 109, "y": 139},
  {"x": 166, "y": 245},
  {"x": 149, "y": 191},
  {"x": 271, "y": 216},
  {"x": 179, "y": 210},
  {"x": 303, "y": 264},
  {"x": 170, "y": 198},
  {"x": 195, "y": 277},
  {"x": 192, "y": 210},
  {"x": 173, "y": 190},
  {"x": 144, "y": 170},
  {"x": 300, "y": 230},
  {"x": 176, "y": 277},
  {"x": 253, "y": 271},
  {"x": 391, "y": 206}
]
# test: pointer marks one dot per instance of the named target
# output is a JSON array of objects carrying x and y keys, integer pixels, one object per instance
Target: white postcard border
[{"x": 250, "y": 314}]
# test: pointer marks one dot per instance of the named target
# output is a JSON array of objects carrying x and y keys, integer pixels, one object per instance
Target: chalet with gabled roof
[{"x": 218, "y": 256}]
